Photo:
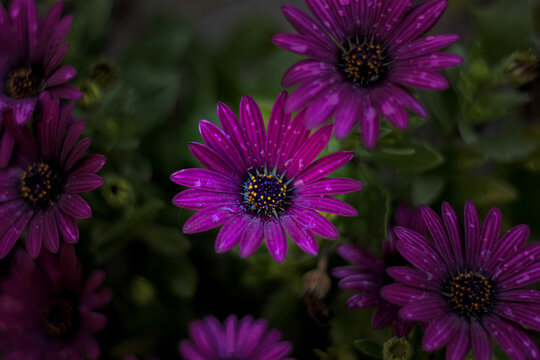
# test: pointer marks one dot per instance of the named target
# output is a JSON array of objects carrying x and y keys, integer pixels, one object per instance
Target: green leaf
[
  {"x": 368, "y": 347},
  {"x": 484, "y": 191},
  {"x": 426, "y": 189},
  {"x": 410, "y": 158},
  {"x": 504, "y": 27},
  {"x": 504, "y": 148}
]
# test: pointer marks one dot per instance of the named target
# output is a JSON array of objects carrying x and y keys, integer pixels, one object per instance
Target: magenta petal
[
  {"x": 82, "y": 183},
  {"x": 232, "y": 128},
  {"x": 90, "y": 164},
  {"x": 306, "y": 26},
  {"x": 330, "y": 186},
  {"x": 490, "y": 233},
  {"x": 68, "y": 227},
  {"x": 276, "y": 129},
  {"x": 440, "y": 239},
  {"x": 203, "y": 179},
  {"x": 62, "y": 75},
  {"x": 327, "y": 204},
  {"x": 10, "y": 237},
  {"x": 198, "y": 199},
  {"x": 23, "y": 109},
  {"x": 305, "y": 70},
  {"x": 230, "y": 233},
  {"x": 417, "y": 21},
  {"x": 322, "y": 108},
  {"x": 253, "y": 124},
  {"x": 209, "y": 218},
  {"x": 512, "y": 241},
  {"x": 211, "y": 160},
  {"x": 424, "y": 46},
  {"x": 418, "y": 251},
  {"x": 459, "y": 344},
  {"x": 50, "y": 232},
  {"x": 315, "y": 222},
  {"x": 434, "y": 62},
  {"x": 323, "y": 167},
  {"x": 190, "y": 351},
  {"x": 310, "y": 150},
  {"x": 361, "y": 257},
  {"x": 418, "y": 79},
  {"x": 384, "y": 315},
  {"x": 217, "y": 140},
  {"x": 453, "y": 229},
  {"x": 440, "y": 331},
  {"x": 348, "y": 111},
  {"x": 276, "y": 240},
  {"x": 65, "y": 91},
  {"x": 252, "y": 238},
  {"x": 400, "y": 294},
  {"x": 424, "y": 309},
  {"x": 513, "y": 340},
  {"x": 75, "y": 206},
  {"x": 34, "y": 237},
  {"x": 369, "y": 124},
  {"x": 521, "y": 313},
  {"x": 480, "y": 341},
  {"x": 6, "y": 148},
  {"x": 303, "y": 45},
  {"x": 301, "y": 237},
  {"x": 308, "y": 91},
  {"x": 412, "y": 277}
]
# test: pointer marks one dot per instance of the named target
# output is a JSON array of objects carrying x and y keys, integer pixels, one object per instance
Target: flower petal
[
  {"x": 209, "y": 218},
  {"x": 230, "y": 233},
  {"x": 203, "y": 179},
  {"x": 276, "y": 240}
]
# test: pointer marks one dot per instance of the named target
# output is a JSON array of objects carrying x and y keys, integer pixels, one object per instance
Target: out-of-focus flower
[
  {"x": 104, "y": 72},
  {"x": 367, "y": 274},
  {"x": 31, "y": 53},
  {"x": 47, "y": 309},
  {"x": 91, "y": 95},
  {"x": 117, "y": 191},
  {"x": 264, "y": 185},
  {"x": 397, "y": 349},
  {"x": 522, "y": 67},
  {"x": 361, "y": 55},
  {"x": 39, "y": 190},
  {"x": 466, "y": 284},
  {"x": 244, "y": 339}
]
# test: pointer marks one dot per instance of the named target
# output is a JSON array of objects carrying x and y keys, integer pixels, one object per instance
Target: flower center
[
  {"x": 23, "y": 82},
  {"x": 365, "y": 64},
  {"x": 469, "y": 294},
  {"x": 59, "y": 317},
  {"x": 265, "y": 194},
  {"x": 40, "y": 185}
]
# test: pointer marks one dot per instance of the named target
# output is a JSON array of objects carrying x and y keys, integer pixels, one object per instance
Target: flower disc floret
[
  {"x": 265, "y": 194},
  {"x": 23, "y": 82},
  {"x": 364, "y": 63},
  {"x": 469, "y": 294},
  {"x": 40, "y": 185}
]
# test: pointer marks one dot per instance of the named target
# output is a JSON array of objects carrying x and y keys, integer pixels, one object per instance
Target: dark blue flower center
[
  {"x": 365, "y": 63},
  {"x": 469, "y": 294},
  {"x": 265, "y": 194},
  {"x": 59, "y": 317},
  {"x": 23, "y": 82},
  {"x": 40, "y": 185}
]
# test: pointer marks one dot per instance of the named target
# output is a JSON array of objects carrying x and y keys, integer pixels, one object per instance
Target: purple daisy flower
[
  {"x": 47, "y": 309},
  {"x": 244, "y": 339},
  {"x": 31, "y": 53},
  {"x": 362, "y": 53},
  {"x": 264, "y": 184},
  {"x": 39, "y": 191},
  {"x": 367, "y": 275},
  {"x": 466, "y": 285}
]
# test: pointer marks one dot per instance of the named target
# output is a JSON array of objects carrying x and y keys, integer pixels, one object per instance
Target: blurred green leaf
[
  {"x": 504, "y": 148},
  {"x": 426, "y": 189},
  {"x": 368, "y": 347},
  {"x": 183, "y": 277},
  {"x": 408, "y": 158},
  {"x": 504, "y": 27},
  {"x": 484, "y": 191}
]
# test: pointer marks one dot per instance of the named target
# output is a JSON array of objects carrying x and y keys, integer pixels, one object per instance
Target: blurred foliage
[{"x": 143, "y": 97}]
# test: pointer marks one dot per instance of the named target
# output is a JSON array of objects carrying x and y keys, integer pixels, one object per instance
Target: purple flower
[
  {"x": 39, "y": 191},
  {"x": 31, "y": 53},
  {"x": 264, "y": 184},
  {"x": 244, "y": 339},
  {"x": 368, "y": 275},
  {"x": 47, "y": 309},
  {"x": 361, "y": 54},
  {"x": 466, "y": 284}
]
